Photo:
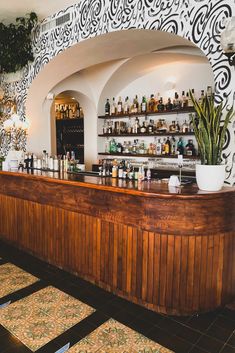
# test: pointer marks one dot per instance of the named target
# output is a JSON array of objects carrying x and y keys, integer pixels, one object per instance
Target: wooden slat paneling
[{"x": 169, "y": 273}]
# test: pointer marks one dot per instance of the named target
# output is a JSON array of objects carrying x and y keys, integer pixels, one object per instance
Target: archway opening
[{"x": 68, "y": 118}]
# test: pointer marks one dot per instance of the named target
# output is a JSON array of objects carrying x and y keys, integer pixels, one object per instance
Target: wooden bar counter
[{"x": 172, "y": 251}]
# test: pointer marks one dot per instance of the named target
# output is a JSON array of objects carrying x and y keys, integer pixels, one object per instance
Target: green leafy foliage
[
  {"x": 15, "y": 43},
  {"x": 210, "y": 124}
]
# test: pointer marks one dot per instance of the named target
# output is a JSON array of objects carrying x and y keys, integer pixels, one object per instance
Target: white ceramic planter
[{"x": 210, "y": 177}]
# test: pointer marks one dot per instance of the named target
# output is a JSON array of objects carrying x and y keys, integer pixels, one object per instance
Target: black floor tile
[
  {"x": 231, "y": 340},
  {"x": 172, "y": 342},
  {"x": 141, "y": 325},
  {"x": 218, "y": 332},
  {"x": 202, "y": 322},
  {"x": 197, "y": 349},
  {"x": 210, "y": 344},
  {"x": 228, "y": 349},
  {"x": 188, "y": 334},
  {"x": 124, "y": 317},
  {"x": 8, "y": 341},
  {"x": 97, "y": 318}
]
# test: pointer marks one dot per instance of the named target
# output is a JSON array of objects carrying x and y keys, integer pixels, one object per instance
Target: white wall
[{"x": 92, "y": 86}]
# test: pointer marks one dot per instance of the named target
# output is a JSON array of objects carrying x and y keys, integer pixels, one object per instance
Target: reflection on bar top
[{"x": 153, "y": 188}]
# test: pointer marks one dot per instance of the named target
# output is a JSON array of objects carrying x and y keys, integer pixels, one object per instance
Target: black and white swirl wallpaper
[{"x": 200, "y": 21}]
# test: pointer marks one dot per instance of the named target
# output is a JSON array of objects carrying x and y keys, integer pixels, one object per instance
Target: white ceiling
[{"x": 11, "y": 9}]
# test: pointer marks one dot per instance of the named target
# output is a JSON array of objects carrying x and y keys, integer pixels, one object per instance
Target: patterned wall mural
[{"x": 200, "y": 21}]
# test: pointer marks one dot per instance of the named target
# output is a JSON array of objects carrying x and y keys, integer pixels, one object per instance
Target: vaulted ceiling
[{"x": 11, "y": 9}]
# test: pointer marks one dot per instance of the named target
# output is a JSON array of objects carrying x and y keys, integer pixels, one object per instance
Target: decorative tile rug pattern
[
  {"x": 114, "y": 337},
  {"x": 42, "y": 316},
  {"x": 13, "y": 278}
]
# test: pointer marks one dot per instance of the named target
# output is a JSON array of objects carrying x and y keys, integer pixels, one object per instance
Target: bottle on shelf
[
  {"x": 169, "y": 105},
  {"x": 172, "y": 127},
  {"x": 185, "y": 127},
  {"x": 136, "y": 127},
  {"x": 202, "y": 96},
  {"x": 190, "y": 102},
  {"x": 184, "y": 100},
  {"x": 107, "y": 107},
  {"x": 126, "y": 108},
  {"x": 173, "y": 146},
  {"x": 150, "y": 127},
  {"x": 159, "y": 147},
  {"x": 143, "y": 105},
  {"x": 113, "y": 107},
  {"x": 119, "y": 106},
  {"x": 209, "y": 91},
  {"x": 180, "y": 146},
  {"x": 143, "y": 128},
  {"x": 160, "y": 106},
  {"x": 152, "y": 104},
  {"x": 135, "y": 105},
  {"x": 190, "y": 149},
  {"x": 176, "y": 102},
  {"x": 167, "y": 146}
]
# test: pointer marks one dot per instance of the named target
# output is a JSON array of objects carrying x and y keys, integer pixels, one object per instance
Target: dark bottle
[
  {"x": 160, "y": 106},
  {"x": 150, "y": 127},
  {"x": 169, "y": 105},
  {"x": 180, "y": 146},
  {"x": 143, "y": 128},
  {"x": 107, "y": 107},
  {"x": 190, "y": 149},
  {"x": 176, "y": 102},
  {"x": 168, "y": 146}
]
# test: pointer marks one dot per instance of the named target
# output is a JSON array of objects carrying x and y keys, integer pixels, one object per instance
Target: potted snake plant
[{"x": 210, "y": 124}]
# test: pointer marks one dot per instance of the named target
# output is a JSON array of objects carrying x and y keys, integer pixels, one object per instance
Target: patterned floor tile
[
  {"x": 115, "y": 337},
  {"x": 13, "y": 278},
  {"x": 37, "y": 319}
]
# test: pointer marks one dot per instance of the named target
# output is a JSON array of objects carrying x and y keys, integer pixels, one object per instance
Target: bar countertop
[{"x": 153, "y": 188}]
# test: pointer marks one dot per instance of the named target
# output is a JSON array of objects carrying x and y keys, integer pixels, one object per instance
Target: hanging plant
[{"x": 16, "y": 44}]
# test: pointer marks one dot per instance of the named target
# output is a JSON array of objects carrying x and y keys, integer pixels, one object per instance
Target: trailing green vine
[{"x": 15, "y": 44}]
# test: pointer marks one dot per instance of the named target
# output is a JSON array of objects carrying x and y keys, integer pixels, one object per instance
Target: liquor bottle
[
  {"x": 180, "y": 146},
  {"x": 126, "y": 108},
  {"x": 107, "y": 145},
  {"x": 160, "y": 106},
  {"x": 168, "y": 146},
  {"x": 185, "y": 127},
  {"x": 135, "y": 107},
  {"x": 177, "y": 126},
  {"x": 113, "y": 107},
  {"x": 159, "y": 147},
  {"x": 163, "y": 145},
  {"x": 107, "y": 107},
  {"x": 152, "y": 104},
  {"x": 173, "y": 146},
  {"x": 136, "y": 128},
  {"x": 176, "y": 102},
  {"x": 190, "y": 149},
  {"x": 200, "y": 100},
  {"x": 62, "y": 112},
  {"x": 150, "y": 127},
  {"x": 172, "y": 127},
  {"x": 184, "y": 100},
  {"x": 169, "y": 105},
  {"x": 143, "y": 128},
  {"x": 143, "y": 105},
  {"x": 209, "y": 92},
  {"x": 190, "y": 102},
  {"x": 119, "y": 106}
]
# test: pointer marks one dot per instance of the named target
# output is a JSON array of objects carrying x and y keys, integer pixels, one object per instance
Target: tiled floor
[{"x": 208, "y": 333}]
